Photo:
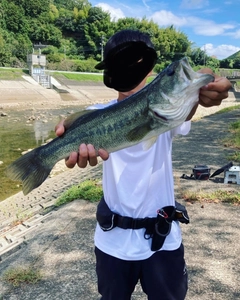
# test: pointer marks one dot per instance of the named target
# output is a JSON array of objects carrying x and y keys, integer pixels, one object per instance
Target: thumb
[{"x": 59, "y": 128}]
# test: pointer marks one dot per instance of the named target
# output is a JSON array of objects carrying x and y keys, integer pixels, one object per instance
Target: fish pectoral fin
[
  {"x": 73, "y": 117},
  {"x": 139, "y": 132},
  {"x": 148, "y": 143}
]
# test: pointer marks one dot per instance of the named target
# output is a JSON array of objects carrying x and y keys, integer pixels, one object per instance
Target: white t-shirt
[{"x": 136, "y": 183}]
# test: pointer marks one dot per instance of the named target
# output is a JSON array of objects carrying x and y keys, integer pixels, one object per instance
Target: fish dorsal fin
[
  {"x": 73, "y": 117},
  {"x": 148, "y": 143}
]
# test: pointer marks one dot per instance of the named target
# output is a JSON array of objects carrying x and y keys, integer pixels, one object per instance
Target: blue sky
[{"x": 212, "y": 25}]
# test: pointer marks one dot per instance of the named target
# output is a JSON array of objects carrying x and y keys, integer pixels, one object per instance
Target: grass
[
  {"x": 78, "y": 77},
  {"x": 230, "y": 197},
  {"x": 16, "y": 74},
  {"x": 227, "y": 109},
  {"x": 235, "y": 157},
  {"x": 88, "y": 190},
  {"x": 91, "y": 190},
  {"x": 12, "y": 73},
  {"x": 19, "y": 276},
  {"x": 233, "y": 141},
  {"x": 85, "y": 77}
]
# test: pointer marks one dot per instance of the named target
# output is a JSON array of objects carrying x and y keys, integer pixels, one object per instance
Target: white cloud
[
  {"x": 167, "y": 18},
  {"x": 221, "y": 51},
  {"x": 115, "y": 13},
  {"x": 235, "y": 35},
  {"x": 199, "y": 26},
  {"x": 209, "y": 28}
]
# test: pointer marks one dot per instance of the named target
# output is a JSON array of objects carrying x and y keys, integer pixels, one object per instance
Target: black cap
[{"x": 127, "y": 63}]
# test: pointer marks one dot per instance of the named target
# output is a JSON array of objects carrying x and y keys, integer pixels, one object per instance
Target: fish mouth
[{"x": 190, "y": 75}]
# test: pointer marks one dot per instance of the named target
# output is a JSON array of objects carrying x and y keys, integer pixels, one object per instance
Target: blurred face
[{"x": 124, "y": 95}]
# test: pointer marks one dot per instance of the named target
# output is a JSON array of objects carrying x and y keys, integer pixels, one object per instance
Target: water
[{"x": 21, "y": 131}]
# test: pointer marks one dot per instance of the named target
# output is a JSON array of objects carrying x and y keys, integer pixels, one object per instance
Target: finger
[
  {"x": 103, "y": 154},
  {"x": 208, "y": 102},
  {"x": 83, "y": 156},
  {"x": 71, "y": 161},
  {"x": 213, "y": 95},
  {"x": 220, "y": 85},
  {"x": 59, "y": 128},
  {"x": 92, "y": 155}
]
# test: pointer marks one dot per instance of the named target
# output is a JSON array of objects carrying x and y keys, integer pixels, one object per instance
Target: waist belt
[
  {"x": 137, "y": 223},
  {"x": 157, "y": 227}
]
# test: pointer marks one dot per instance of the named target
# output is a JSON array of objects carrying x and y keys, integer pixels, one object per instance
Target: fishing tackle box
[{"x": 201, "y": 172}]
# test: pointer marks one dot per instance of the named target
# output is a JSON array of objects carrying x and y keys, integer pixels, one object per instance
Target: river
[{"x": 23, "y": 130}]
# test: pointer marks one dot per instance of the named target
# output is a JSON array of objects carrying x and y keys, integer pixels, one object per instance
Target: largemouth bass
[{"x": 160, "y": 106}]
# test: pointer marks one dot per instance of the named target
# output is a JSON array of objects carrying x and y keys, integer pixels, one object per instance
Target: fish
[{"x": 161, "y": 105}]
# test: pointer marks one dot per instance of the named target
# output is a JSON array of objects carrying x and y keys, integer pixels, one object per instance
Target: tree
[
  {"x": 33, "y": 8},
  {"x": 95, "y": 29},
  {"x": 5, "y": 54},
  {"x": 45, "y": 34},
  {"x": 212, "y": 63},
  {"x": 198, "y": 57},
  {"x": 71, "y": 4},
  {"x": 15, "y": 20}
]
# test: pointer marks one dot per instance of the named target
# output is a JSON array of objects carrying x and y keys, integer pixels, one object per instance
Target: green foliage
[
  {"x": 234, "y": 128},
  {"x": 234, "y": 56},
  {"x": 233, "y": 61},
  {"x": 233, "y": 141},
  {"x": 79, "y": 31},
  {"x": 70, "y": 65},
  {"x": 11, "y": 74},
  {"x": 87, "y": 190},
  {"x": 198, "y": 56},
  {"x": 212, "y": 63},
  {"x": 227, "y": 109},
  {"x": 234, "y": 157}
]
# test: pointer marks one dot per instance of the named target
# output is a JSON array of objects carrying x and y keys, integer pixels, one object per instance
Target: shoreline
[{"x": 46, "y": 105}]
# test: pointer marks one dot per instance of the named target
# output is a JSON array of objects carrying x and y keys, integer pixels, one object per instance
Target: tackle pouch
[
  {"x": 163, "y": 226},
  {"x": 181, "y": 214},
  {"x": 105, "y": 216}
]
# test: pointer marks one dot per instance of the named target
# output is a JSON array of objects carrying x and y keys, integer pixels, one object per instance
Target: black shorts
[{"x": 163, "y": 276}]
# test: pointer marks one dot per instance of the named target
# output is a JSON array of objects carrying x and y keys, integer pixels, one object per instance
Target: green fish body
[{"x": 160, "y": 106}]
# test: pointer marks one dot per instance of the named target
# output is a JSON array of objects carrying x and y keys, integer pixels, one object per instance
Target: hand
[
  {"x": 86, "y": 153},
  {"x": 213, "y": 93}
]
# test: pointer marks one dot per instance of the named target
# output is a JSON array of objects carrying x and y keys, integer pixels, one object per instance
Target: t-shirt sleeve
[{"x": 182, "y": 129}]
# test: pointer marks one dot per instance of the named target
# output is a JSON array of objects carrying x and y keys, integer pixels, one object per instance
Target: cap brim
[{"x": 101, "y": 65}]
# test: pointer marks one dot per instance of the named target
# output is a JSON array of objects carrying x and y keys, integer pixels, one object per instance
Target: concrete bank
[{"x": 27, "y": 92}]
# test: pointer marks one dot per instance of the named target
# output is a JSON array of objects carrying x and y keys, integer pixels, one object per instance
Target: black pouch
[
  {"x": 162, "y": 227},
  {"x": 105, "y": 216},
  {"x": 181, "y": 214}
]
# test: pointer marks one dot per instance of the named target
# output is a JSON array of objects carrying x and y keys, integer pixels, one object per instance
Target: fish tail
[{"x": 30, "y": 170}]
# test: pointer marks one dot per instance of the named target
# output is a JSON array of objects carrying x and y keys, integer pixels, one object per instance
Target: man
[{"x": 138, "y": 186}]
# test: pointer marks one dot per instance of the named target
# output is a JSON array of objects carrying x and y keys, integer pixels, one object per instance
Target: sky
[{"x": 212, "y": 25}]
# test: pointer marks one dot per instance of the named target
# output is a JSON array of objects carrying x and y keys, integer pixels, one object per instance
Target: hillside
[{"x": 234, "y": 56}]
